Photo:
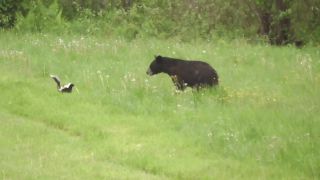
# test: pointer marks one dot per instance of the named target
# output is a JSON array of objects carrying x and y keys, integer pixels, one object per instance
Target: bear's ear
[{"x": 158, "y": 59}]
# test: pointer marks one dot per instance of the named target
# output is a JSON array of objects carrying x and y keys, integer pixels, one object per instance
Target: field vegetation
[{"x": 261, "y": 122}]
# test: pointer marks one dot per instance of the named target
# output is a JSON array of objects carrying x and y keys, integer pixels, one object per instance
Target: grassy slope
[{"x": 262, "y": 122}]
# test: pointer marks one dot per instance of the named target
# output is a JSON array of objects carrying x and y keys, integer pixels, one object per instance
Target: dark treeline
[{"x": 278, "y": 21}]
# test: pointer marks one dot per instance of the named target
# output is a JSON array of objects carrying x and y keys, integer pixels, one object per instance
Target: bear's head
[{"x": 156, "y": 66}]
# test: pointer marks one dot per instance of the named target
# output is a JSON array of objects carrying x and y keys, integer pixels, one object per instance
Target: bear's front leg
[{"x": 178, "y": 82}]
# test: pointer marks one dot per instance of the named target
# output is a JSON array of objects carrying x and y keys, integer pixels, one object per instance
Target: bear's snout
[{"x": 149, "y": 72}]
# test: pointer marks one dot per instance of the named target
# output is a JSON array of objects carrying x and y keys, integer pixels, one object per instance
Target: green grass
[{"x": 261, "y": 123}]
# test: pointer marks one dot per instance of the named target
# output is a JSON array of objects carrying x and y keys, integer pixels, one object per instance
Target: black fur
[{"x": 195, "y": 74}]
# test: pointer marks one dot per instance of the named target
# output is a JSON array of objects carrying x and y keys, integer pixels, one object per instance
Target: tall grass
[{"x": 261, "y": 123}]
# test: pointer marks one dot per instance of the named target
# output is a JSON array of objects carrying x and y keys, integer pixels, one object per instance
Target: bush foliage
[{"x": 167, "y": 18}]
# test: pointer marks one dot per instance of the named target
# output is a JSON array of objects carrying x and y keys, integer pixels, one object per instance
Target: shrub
[{"x": 42, "y": 18}]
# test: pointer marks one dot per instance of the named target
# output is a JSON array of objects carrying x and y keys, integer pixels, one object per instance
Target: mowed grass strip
[{"x": 262, "y": 121}]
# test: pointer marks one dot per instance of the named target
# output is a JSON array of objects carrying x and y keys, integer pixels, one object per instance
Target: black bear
[{"x": 195, "y": 74}]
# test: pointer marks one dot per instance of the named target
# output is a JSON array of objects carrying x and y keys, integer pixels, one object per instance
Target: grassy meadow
[{"x": 262, "y": 122}]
